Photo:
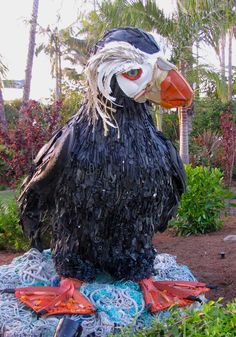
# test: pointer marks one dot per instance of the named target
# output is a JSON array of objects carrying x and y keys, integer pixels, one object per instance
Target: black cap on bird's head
[
  {"x": 134, "y": 36},
  {"x": 132, "y": 57}
]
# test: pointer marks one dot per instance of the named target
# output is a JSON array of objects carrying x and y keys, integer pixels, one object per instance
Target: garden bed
[{"x": 202, "y": 254}]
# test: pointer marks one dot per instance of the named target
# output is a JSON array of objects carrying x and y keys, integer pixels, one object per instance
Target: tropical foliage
[
  {"x": 212, "y": 320},
  {"x": 11, "y": 234},
  {"x": 21, "y": 142},
  {"x": 64, "y": 45},
  {"x": 30, "y": 54},
  {"x": 200, "y": 206},
  {"x": 228, "y": 126}
]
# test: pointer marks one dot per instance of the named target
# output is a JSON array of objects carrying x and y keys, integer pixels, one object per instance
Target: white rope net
[{"x": 118, "y": 303}]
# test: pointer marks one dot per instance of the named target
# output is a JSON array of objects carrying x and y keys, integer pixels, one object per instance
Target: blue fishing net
[{"x": 118, "y": 303}]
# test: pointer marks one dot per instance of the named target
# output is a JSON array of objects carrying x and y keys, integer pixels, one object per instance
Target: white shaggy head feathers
[{"x": 113, "y": 58}]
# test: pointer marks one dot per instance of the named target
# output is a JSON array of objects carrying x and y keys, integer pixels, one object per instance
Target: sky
[{"x": 14, "y": 35}]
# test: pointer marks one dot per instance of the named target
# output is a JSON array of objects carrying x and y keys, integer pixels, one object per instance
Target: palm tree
[
  {"x": 76, "y": 48},
  {"x": 30, "y": 56},
  {"x": 232, "y": 33},
  {"x": 63, "y": 45},
  {"x": 3, "y": 120},
  {"x": 53, "y": 48},
  {"x": 218, "y": 21}
]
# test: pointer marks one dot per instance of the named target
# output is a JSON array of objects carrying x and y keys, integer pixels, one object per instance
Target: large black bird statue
[{"x": 108, "y": 180}]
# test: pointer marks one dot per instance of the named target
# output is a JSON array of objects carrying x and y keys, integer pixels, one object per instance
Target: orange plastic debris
[
  {"x": 160, "y": 295},
  {"x": 65, "y": 299}
]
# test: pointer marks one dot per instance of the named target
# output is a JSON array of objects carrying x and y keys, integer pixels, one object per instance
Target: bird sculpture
[{"x": 107, "y": 181}]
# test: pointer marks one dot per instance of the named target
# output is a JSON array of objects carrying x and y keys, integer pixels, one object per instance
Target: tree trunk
[
  {"x": 58, "y": 69},
  {"x": 30, "y": 56},
  {"x": 190, "y": 112},
  {"x": 222, "y": 57},
  {"x": 58, "y": 78},
  {"x": 184, "y": 135},
  {"x": 183, "y": 125},
  {"x": 230, "y": 65},
  {"x": 3, "y": 120},
  {"x": 197, "y": 88},
  {"x": 157, "y": 114}
]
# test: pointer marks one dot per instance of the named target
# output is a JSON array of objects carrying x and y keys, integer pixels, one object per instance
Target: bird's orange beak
[
  {"x": 175, "y": 91},
  {"x": 167, "y": 88}
]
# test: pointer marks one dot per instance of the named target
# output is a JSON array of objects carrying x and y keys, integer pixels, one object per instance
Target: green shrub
[
  {"x": 12, "y": 111},
  {"x": 170, "y": 126},
  {"x": 200, "y": 206},
  {"x": 214, "y": 320},
  {"x": 6, "y": 195},
  {"x": 207, "y": 115},
  {"x": 11, "y": 234},
  {"x": 70, "y": 105}
]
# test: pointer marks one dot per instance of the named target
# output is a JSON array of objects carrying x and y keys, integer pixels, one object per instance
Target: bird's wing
[
  {"x": 178, "y": 180},
  {"x": 179, "y": 174},
  {"x": 39, "y": 185},
  {"x": 177, "y": 167}
]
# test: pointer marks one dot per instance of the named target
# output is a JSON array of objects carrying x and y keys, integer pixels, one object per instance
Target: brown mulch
[
  {"x": 202, "y": 254},
  {"x": 6, "y": 257}
]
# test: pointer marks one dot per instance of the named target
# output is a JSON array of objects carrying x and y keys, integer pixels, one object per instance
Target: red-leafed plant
[
  {"x": 207, "y": 149},
  {"x": 20, "y": 144},
  {"x": 228, "y": 127}
]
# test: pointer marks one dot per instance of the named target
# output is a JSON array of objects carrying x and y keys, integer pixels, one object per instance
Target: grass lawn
[{"x": 5, "y": 196}]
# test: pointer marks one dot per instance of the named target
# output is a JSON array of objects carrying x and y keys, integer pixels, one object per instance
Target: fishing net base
[{"x": 118, "y": 303}]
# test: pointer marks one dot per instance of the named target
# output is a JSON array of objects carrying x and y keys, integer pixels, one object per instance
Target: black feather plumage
[
  {"x": 108, "y": 196},
  {"x": 104, "y": 196}
]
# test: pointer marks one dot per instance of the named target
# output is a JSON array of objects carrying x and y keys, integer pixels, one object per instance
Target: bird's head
[{"x": 130, "y": 56}]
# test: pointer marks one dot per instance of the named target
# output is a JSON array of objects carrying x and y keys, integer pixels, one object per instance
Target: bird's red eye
[{"x": 133, "y": 74}]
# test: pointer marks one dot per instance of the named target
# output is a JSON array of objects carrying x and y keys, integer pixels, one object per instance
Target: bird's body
[
  {"x": 111, "y": 195},
  {"x": 105, "y": 195}
]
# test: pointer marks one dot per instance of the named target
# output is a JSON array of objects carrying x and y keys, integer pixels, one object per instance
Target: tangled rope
[
  {"x": 119, "y": 303},
  {"x": 166, "y": 268}
]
